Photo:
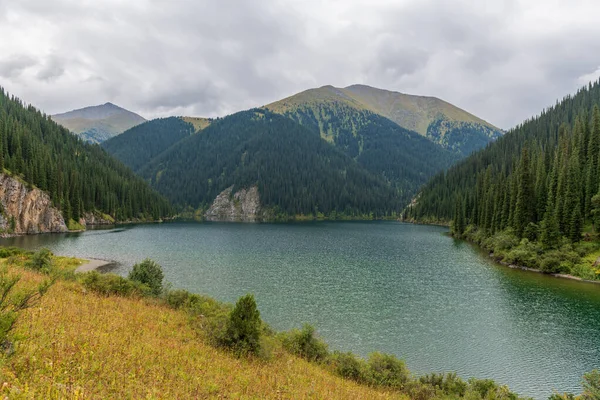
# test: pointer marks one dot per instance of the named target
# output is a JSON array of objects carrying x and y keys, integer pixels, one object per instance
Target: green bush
[
  {"x": 504, "y": 240},
  {"x": 242, "y": 334},
  {"x": 482, "y": 386},
  {"x": 305, "y": 344},
  {"x": 386, "y": 370},
  {"x": 347, "y": 365},
  {"x": 150, "y": 274},
  {"x": 420, "y": 391},
  {"x": 41, "y": 261},
  {"x": 110, "y": 284},
  {"x": 591, "y": 386},
  {"x": 564, "y": 396},
  {"x": 550, "y": 263},
  {"x": 178, "y": 299},
  {"x": 449, "y": 384},
  {"x": 6, "y": 252}
]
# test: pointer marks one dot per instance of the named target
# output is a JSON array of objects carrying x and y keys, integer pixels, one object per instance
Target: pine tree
[
  {"x": 459, "y": 217},
  {"x": 525, "y": 196},
  {"x": 550, "y": 232}
]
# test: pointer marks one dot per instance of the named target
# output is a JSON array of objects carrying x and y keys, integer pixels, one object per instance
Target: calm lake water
[{"x": 409, "y": 290}]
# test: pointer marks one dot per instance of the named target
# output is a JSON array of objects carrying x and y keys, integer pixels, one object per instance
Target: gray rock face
[
  {"x": 243, "y": 206},
  {"x": 31, "y": 209}
]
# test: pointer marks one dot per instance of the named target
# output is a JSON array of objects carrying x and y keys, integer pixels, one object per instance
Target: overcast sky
[{"x": 502, "y": 62}]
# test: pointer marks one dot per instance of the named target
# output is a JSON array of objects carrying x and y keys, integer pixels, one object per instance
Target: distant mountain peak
[{"x": 99, "y": 123}]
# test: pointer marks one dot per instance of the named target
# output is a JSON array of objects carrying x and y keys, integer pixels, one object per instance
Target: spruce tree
[
  {"x": 525, "y": 196},
  {"x": 459, "y": 217}
]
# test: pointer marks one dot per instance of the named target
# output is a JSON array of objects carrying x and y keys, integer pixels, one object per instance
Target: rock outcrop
[
  {"x": 90, "y": 219},
  {"x": 242, "y": 206},
  {"x": 27, "y": 210}
]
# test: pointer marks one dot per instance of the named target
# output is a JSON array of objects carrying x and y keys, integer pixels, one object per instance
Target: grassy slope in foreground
[{"x": 77, "y": 344}]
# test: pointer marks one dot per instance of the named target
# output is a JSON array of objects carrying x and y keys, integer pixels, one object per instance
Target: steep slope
[
  {"x": 79, "y": 178},
  {"x": 295, "y": 171},
  {"x": 138, "y": 145},
  {"x": 96, "y": 124},
  {"x": 401, "y": 157},
  {"x": 538, "y": 182},
  {"x": 439, "y": 121}
]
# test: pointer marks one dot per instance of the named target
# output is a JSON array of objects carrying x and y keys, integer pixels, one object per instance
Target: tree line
[{"x": 541, "y": 180}]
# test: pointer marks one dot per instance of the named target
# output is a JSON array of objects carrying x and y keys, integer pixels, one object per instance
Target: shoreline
[
  {"x": 563, "y": 276},
  {"x": 94, "y": 264},
  {"x": 504, "y": 264}
]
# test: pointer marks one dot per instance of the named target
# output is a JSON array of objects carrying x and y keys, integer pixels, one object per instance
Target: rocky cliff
[
  {"x": 27, "y": 210},
  {"x": 242, "y": 206}
]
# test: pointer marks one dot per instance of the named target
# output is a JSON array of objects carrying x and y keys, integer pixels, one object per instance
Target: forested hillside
[
  {"x": 138, "y": 145},
  {"x": 401, "y": 157},
  {"x": 539, "y": 182},
  {"x": 296, "y": 172},
  {"x": 79, "y": 177}
]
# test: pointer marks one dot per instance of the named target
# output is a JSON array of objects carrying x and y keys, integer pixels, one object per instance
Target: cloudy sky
[{"x": 502, "y": 62}]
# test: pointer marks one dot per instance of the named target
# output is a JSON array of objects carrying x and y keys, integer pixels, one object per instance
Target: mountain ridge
[{"x": 441, "y": 122}]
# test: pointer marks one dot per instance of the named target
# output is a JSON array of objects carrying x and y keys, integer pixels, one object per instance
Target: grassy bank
[
  {"x": 104, "y": 336},
  {"x": 567, "y": 259}
]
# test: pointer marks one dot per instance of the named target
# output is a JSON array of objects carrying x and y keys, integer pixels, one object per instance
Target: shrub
[
  {"x": 347, "y": 365},
  {"x": 6, "y": 252},
  {"x": 305, "y": 344},
  {"x": 482, "y": 386},
  {"x": 564, "y": 396},
  {"x": 502, "y": 241},
  {"x": 150, "y": 274},
  {"x": 449, "y": 384},
  {"x": 591, "y": 386},
  {"x": 41, "y": 261},
  {"x": 242, "y": 334},
  {"x": 110, "y": 284},
  {"x": 420, "y": 391},
  {"x": 179, "y": 299},
  {"x": 550, "y": 264},
  {"x": 387, "y": 371}
]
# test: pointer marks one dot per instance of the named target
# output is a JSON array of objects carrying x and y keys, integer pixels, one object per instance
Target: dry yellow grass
[
  {"x": 199, "y": 123},
  {"x": 81, "y": 345}
]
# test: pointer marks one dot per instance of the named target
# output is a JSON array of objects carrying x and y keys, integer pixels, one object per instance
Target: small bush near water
[
  {"x": 305, "y": 344},
  {"x": 113, "y": 285},
  {"x": 148, "y": 273},
  {"x": 243, "y": 330}
]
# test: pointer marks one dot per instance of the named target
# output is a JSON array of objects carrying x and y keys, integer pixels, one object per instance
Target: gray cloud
[
  {"x": 13, "y": 66},
  {"x": 503, "y": 61}
]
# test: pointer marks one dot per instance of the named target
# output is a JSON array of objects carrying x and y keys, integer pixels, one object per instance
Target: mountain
[
  {"x": 441, "y": 122},
  {"x": 294, "y": 171},
  {"x": 98, "y": 123},
  {"x": 539, "y": 182},
  {"x": 81, "y": 179},
  {"x": 375, "y": 167},
  {"x": 139, "y": 145}
]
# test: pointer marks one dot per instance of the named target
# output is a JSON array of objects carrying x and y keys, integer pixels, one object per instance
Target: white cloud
[{"x": 503, "y": 61}]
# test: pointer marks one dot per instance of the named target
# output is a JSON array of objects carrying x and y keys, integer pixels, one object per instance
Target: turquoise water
[{"x": 404, "y": 289}]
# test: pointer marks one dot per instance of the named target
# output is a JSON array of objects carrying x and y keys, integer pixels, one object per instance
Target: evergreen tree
[
  {"x": 525, "y": 195},
  {"x": 459, "y": 218}
]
